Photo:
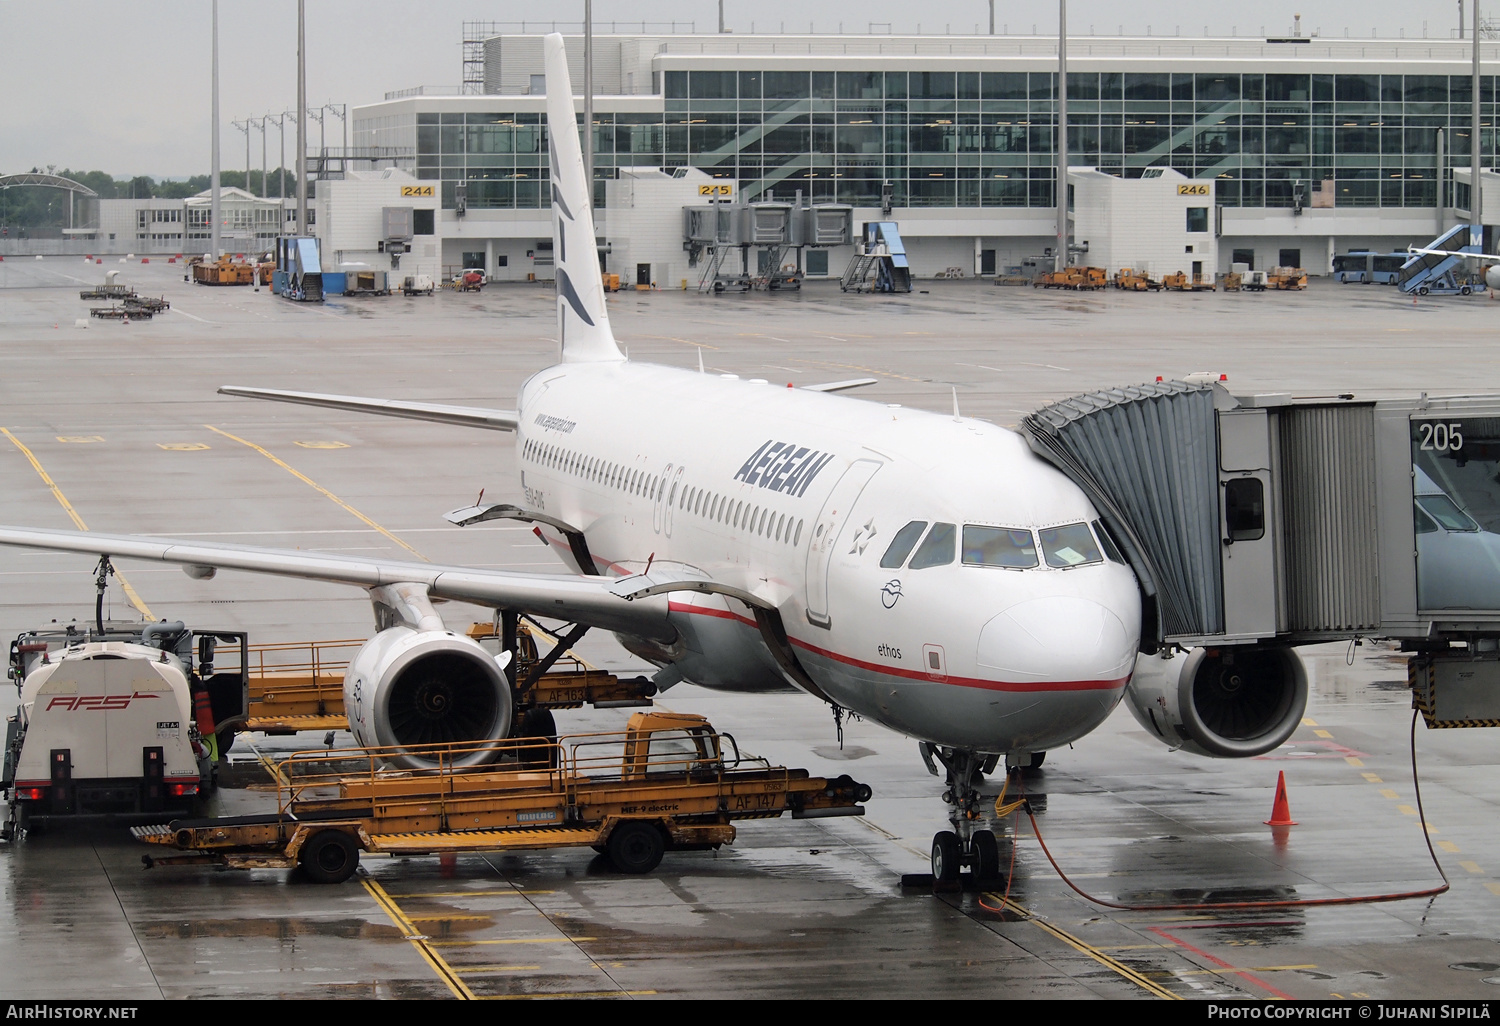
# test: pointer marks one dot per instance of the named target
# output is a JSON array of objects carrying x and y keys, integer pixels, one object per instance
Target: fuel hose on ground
[{"x": 1023, "y": 805}]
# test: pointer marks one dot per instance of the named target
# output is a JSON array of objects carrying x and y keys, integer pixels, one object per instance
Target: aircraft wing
[
  {"x": 463, "y": 416},
  {"x": 556, "y": 596},
  {"x": 840, "y": 386}
]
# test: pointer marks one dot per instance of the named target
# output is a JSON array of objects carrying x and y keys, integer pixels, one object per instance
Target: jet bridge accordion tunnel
[{"x": 1258, "y": 523}]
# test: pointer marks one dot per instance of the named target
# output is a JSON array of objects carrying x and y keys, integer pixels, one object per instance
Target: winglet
[{"x": 582, "y": 321}]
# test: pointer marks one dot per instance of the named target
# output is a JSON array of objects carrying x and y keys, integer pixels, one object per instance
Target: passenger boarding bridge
[{"x": 1256, "y": 523}]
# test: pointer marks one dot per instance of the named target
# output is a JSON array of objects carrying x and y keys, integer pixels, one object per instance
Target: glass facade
[{"x": 986, "y": 139}]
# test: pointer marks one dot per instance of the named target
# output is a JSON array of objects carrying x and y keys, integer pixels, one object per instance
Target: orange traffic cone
[{"x": 1281, "y": 810}]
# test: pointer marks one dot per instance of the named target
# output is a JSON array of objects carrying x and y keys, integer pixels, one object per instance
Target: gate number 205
[{"x": 1441, "y": 437}]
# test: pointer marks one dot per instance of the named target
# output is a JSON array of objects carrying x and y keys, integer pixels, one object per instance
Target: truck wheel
[
  {"x": 1423, "y": 290},
  {"x": 636, "y": 847},
  {"x": 986, "y": 856},
  {"x": 946, "y": 857},
  {"x": 1465, "y": 291},
  {"x": 329, "y": 856}
]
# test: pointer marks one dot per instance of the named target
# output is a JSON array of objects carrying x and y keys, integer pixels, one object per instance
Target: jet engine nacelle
[
  {"x": 1492, "y": 276},
  {"x": 417, "y": 687},
  {"x": 1224, "y": 702}
]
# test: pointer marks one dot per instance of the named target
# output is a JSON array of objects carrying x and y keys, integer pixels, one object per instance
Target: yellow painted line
[
  {"x": 1220, "y": 972},
  {"x": 1406, "y": 810},
  {"x": 496, "y": 968},
  {"x": 1322, "y": 733},
  {"x": 450, "y": 919},
  {"x": 1353, "y": 761},
  {"x": 181, "y": 446},
  {"x": 322, "y": 445},
  {"x": 515, "y": 940},
  {"x": 1472, "y": 867},
  {"x": 473, "y": 894},
  {"x": 1493, "y": 888},
  {"x": 568, "y": 994},
  {"x": 318, "y": 488},
  {"x": 1308, "y": 721},
  {"x": 1372, "y": 778},
  {"x": 80, "y": 439},
  {"x": 130, "y": 593},
  {"x": 445, "y": 971},
  {"x": 1449, "y": 847},
  {"x": 1386, "y": 792},
  {"x": 1139, "y": 979}
]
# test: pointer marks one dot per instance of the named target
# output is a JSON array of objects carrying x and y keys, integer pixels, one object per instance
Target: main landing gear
[{"x": 963, "y": 845}]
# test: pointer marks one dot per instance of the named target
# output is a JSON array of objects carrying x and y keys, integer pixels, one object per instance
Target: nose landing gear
[{"x": 963, "y": 845}]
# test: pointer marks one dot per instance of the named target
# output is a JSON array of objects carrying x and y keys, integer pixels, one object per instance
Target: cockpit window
[
  {"x": 1072, "y": 545},
  {"x": 1445, "y": 512},
  {"x": 937, "y": 548},
  {"x": 1107, "y": 542},
  {"x": 901, "y": 545},
  {"x": 1011, "y": 547}
]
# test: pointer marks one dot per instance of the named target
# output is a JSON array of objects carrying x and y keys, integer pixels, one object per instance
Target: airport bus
[{"x": 1363, "y": 267}]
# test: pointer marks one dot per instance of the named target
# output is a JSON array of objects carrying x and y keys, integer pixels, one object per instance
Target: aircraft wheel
[
  {"x": 986, "y": 856},
  {"x": 329, "y": 856},
  {"x": 946, "y": 857},
  {"x": 636, "y": 846}
]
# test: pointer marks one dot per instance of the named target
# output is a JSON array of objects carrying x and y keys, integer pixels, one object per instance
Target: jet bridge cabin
[{"x": 1260, "y": 522}]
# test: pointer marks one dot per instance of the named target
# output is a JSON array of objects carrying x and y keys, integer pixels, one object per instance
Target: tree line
[{"x": 29, "y": 206}]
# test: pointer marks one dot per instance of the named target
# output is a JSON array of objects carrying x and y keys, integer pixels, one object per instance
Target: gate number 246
[{"x": 1441, "y": 437}]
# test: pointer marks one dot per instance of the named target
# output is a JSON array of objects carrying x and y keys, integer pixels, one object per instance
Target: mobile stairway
[
  {"x": 883, "y": 254},
  {"x": 1438, "y": 267}
]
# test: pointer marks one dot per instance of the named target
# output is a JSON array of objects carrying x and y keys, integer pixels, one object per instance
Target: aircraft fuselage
[{"x": 796, "y": 497}]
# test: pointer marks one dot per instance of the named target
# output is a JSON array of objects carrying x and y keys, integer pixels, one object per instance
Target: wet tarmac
[{"x": 124, "y": 422}]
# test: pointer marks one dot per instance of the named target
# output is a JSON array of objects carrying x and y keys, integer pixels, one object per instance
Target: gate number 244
[{"x": 1440, "y": 437}]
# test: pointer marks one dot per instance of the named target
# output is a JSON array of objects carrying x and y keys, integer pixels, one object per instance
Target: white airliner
[{"x": 922, "y": 570}]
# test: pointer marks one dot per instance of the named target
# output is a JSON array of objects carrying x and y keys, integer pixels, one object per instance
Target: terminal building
[
  {"x": 1310, "y": 146},
  {"x": 1183, "y": 153}
]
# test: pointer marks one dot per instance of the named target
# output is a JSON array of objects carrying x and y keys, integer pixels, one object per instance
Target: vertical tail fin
[{"x": 582, "y": 321}]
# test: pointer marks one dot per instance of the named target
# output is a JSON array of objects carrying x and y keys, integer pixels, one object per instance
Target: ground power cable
[{"x": 1232, "y": 905}]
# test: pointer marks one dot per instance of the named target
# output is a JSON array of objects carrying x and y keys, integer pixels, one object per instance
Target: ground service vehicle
[
  {"x": 223, "y": 272},
  {"x": 668, "y": 781},
  {"x": 1363, "y": 267},
  {"x": 1077, "y": 278},
  {"x": 1135, "y": 281},
  {"x": 1287, "y": 279},
  {"x": 117, "y": 720},
  {"x": 417, "y": 285}
]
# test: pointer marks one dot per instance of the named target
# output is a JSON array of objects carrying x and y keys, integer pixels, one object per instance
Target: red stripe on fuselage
[{"x": 896, "y": 671}]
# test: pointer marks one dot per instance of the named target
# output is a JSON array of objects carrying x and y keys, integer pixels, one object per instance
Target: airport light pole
[
  {"x": 1476, "y": 193},
  {"x": 340, "y": 111},
  {"x": 263, "y": 168},
  {"x": 213, "y": 182},
  {"x": 588, "y": 96},
  {"x": 301, "y": 118},
  {"x": 1060, "y": 254}
]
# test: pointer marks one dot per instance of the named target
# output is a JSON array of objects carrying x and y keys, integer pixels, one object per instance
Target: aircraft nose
[{"x": 1062, "y": 638}]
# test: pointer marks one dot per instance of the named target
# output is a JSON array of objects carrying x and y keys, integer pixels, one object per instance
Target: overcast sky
[{"x": 124, "y": 87}]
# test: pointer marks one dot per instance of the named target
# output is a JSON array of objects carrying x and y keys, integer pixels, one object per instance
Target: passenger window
[
  {"x": 901, "y": 545},
  {"x": 937, "y": 549},
  {"x": 1010, "y": 547},
  {"x": 1072, "y": 545},
  {"x": 1244, "y": 509},
  {"x": 797, "y": 538},
  {"x": 1107, "y": 542}
]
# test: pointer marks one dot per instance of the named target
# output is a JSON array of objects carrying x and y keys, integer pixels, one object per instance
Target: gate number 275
[{"x": 1441, "y": 437}]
